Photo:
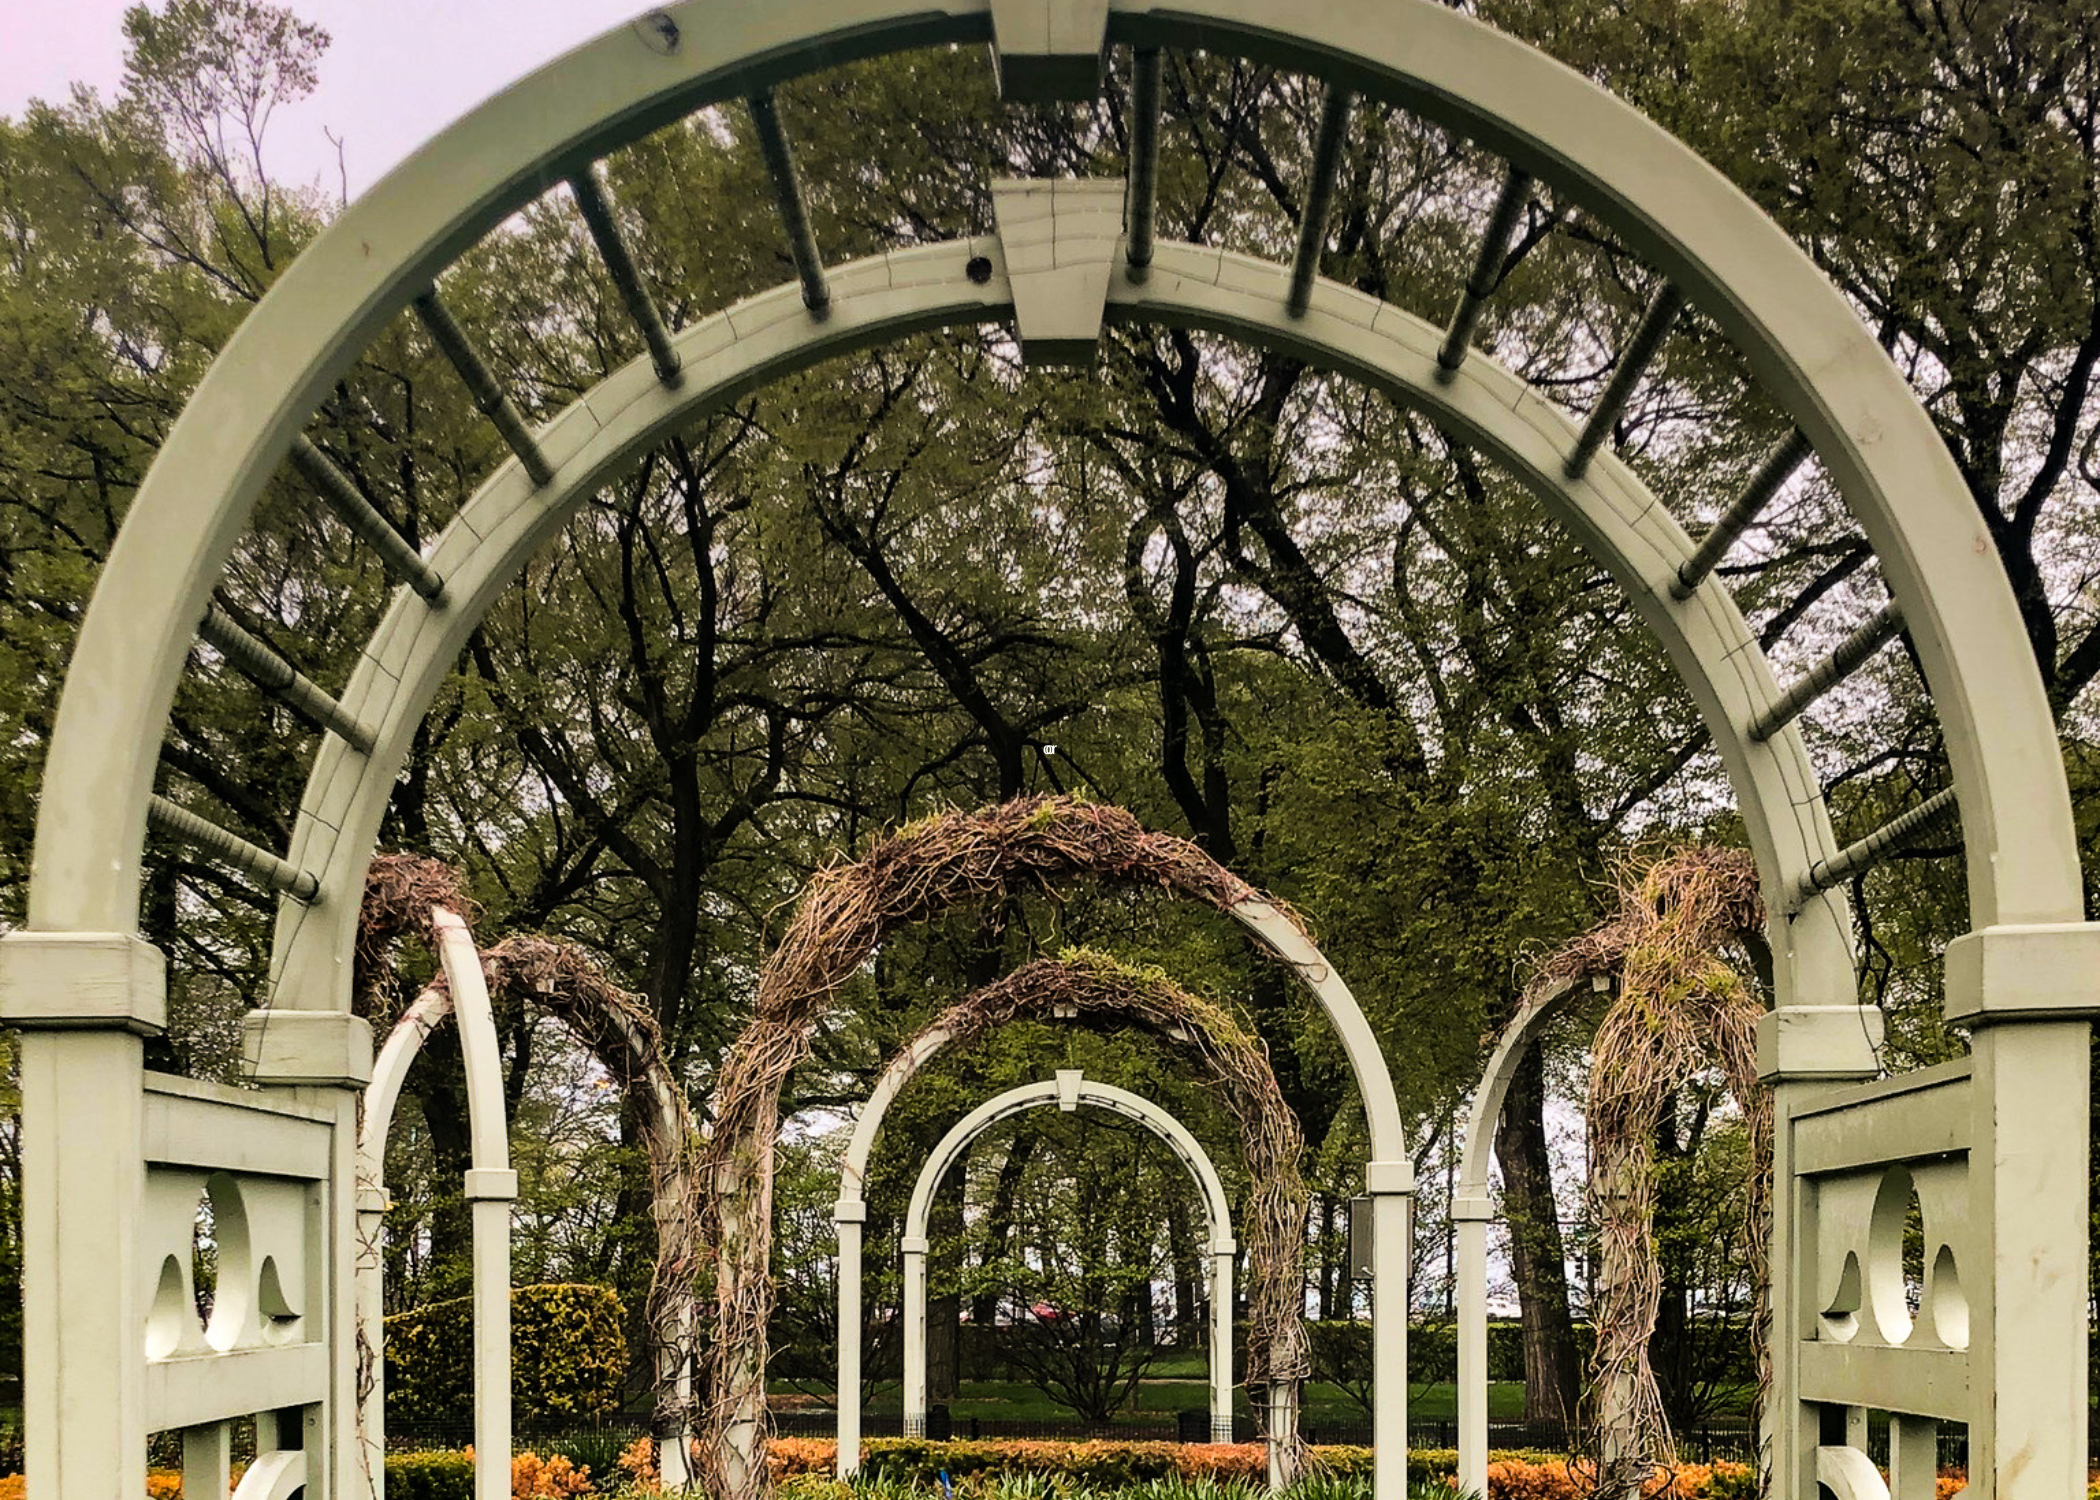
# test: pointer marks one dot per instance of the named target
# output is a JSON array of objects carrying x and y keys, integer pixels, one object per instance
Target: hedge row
[{"x": 568, "y": 1357}]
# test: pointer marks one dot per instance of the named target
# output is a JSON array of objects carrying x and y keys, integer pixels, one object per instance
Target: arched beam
[
  {"x": 1704, "y": 235},
  {"x": 1610, "y": 511},
  {"x": 390, "y": 1069},
  {"x": 1067, "y": 1091},
  {"x": 850, "y": 1214}
]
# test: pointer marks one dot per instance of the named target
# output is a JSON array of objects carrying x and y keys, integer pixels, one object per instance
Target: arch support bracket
[
  {"x": 1050, "y": 51},
  {"x": 1060, "y": 240},
  {"x": 1800, "y": 1042}
]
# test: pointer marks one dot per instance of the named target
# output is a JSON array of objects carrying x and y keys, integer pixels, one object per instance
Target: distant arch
[{"x": 1069, "y": 1090}]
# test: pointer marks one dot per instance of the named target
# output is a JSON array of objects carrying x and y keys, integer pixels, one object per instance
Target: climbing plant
[{"x": 1682, "y": 1006}]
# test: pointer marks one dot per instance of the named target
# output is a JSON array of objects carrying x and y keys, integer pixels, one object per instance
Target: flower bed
[{"x": 1018, "y": 1470}]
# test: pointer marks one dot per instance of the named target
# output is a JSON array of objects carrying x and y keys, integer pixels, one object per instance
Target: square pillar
[{"x": 84, "y": 1003}]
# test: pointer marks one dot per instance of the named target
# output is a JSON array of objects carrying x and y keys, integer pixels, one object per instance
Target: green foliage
[
  {"x": 429, "y": 1476},
  {"x": 568, "y": 1357}
]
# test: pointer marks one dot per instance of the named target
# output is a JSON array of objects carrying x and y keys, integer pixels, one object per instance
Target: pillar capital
[
  {"x": 1798, "y": 1043},
  {"x": 1059, "y": 238},
  {"x": 2044, "y": 972},
  {"x": 1050, "y": 51},
  {"x": 329, "y": 1048},
  {"x": 112, "y": 981}
]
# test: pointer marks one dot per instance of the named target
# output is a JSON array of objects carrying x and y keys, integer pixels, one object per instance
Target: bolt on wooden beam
[
  {"x": 1776, "y": 469},
  {"x": 1898, "y": 833},
  {"x": 1647, "y": 338},
  {"x": 279, "y": 875},
  {"x": 1142, "y": 211},
  {"x": 1319, "y": 197},
  {"x": 280, "y": 679},
  {"x": 342, "y": 496},
  {"x": 1851, "y": 653},
  {"x": 787, "y": 195}
]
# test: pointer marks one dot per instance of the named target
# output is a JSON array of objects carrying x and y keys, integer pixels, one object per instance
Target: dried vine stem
[
  {"x": 1083, "y": 983},
  {"x": 1681, "y": 1008},
  {"x": 400, "y": 890},
  {"x": 943, "y": 863}
]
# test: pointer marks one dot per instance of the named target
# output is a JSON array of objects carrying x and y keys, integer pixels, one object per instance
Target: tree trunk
[
  {"x": 1537, "y": 1257},
  {"x": 944, "y": 1312},
  {"x": 1329, "y": 1268},
  {"x": 999, "y": 1225},
  {"x": 1189, "y": 1273}
]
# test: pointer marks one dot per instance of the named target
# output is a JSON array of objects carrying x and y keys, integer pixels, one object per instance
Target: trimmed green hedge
[
  {"x": 568, "y": 1356},
  {"x": 429, "y": 1476}
]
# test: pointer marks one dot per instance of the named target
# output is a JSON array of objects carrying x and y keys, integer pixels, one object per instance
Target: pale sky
[{"x": 397, "y": 71}]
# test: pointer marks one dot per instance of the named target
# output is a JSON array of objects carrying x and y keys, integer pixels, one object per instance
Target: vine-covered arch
[
  {"x": 408, "y": 893},
  {"x": 1070, "y": 977},
  {"x": 1676, "y": 1005},
  {"x": 966, "y": 860}
]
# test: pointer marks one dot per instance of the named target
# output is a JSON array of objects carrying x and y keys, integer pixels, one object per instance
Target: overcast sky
[{"x": 395, "y": 73}]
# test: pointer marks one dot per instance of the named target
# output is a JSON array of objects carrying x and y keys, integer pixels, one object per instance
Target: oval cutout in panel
[
  {"x": 1890, "y": 1290},
  {"x": 1950, "y": 1305},
  {"x": 1840, "y": 1320},
  {"x": 170, "y": 1312}
]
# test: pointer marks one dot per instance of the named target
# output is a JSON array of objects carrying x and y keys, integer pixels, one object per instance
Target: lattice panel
[
  {"x": 245, "y": 1181},
  {"x": 1878, "y": 1166}
]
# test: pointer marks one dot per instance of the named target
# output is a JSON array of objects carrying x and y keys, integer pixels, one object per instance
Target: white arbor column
[
  {"x": 1222, "y": 1256},
  {"x": 2028, "y": 995},
  {"x": 850, "y": 1215},
  {"x": 1470, "y": 1218},
  {"x": 83, "y": 1187},
  {"x": 491, "y": 1193},
  {"x": 366, "y": 1265},
  {"x": 914, "y": 1248},
  {"x": 1391, "y": 1186}
]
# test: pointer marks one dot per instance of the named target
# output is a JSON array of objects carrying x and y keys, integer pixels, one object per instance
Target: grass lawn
[{"x": 1159, "y": 1396}]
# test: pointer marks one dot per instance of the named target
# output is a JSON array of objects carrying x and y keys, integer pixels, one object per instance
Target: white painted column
[
  {"x": 491, "y": 1188},
  {"x": 1282, "y": 1418},
  {"x": 83, "y": 1185},
  {"x": 1391, "y": 1186},
  {"x": 207, "y": 1460},
  {"x": 1221, "y": 1259},
  {"x": 674, "y": 1450},
  {"x": 83, "y": 1202},
  {"x": 850, "y": 1216},
  {"x": 1470, "y": 1219},
  {"x": 914, "y": 1247},
  {"x": 491, "y": 1193}
]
